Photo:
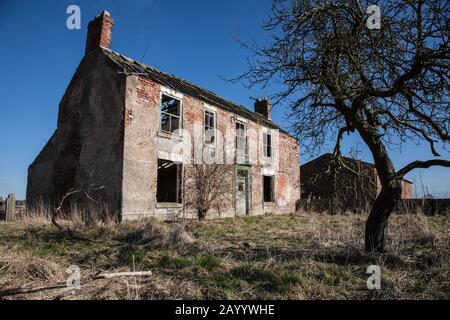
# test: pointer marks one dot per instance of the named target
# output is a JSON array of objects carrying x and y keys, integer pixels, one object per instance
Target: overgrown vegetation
[
  {"x": 208, "y": 188},
  {"x": 339, "y": 76},
  {"x": 302, "y": 256}
]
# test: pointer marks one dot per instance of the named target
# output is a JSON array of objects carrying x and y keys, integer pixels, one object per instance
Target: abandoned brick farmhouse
[{"x": 135, "y": 131}]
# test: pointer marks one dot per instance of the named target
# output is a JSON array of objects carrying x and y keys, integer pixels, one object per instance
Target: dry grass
[{"x": 304, "y": 256}]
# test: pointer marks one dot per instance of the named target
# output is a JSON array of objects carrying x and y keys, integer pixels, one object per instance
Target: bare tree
[
  {"x": 353, "y": 183},
  {"x": 83, "y": 193},
  {"x": 83, "y": 190},
  {"x": 389, "y": 85},
  {"x": 207, "y": 187}
]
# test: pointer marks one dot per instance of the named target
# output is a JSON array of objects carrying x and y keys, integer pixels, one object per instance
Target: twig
[{"x": 123, "y": 274}]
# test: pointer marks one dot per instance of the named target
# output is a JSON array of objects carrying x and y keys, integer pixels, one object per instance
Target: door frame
[{"x": 248, "y": 206}]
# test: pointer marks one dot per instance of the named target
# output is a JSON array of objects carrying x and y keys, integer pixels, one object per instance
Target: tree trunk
[
  {"x": 391, "y": 188},
  {"x": 376, "y": 224},
  {"x": 201, "y": 214}
]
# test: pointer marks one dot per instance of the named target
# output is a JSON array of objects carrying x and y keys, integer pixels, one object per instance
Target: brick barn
[
  {"x": 136, "y": 131},
  {"x": 356, "y": 182}
]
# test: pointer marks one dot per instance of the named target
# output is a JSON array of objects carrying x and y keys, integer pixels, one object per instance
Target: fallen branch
[
  {"x": 16, "y": 291},
  {"x": 63, "y": 285},
  {"x": 122, "y": 274}
]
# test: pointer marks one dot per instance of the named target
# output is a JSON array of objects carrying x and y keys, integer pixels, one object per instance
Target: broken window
[
  {"x": 170, "y": 114},
  {"x": 241, "y": 139},
  {"x": 210, "y": 127},
  {"x": 168, "y": 182},
  {"x": 268, "y": 186},
  {"x": 267, "y": 145}
]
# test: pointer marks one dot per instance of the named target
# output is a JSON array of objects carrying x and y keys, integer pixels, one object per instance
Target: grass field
[{"x": 304, "y": 256}]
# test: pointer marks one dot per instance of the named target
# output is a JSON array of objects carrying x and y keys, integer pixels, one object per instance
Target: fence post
[
  {"x": 10, "y": 207},
  {"x": 2, "y": 208}
]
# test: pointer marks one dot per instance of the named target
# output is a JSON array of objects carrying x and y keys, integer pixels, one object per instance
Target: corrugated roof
[{"x": 175, "y": 83}]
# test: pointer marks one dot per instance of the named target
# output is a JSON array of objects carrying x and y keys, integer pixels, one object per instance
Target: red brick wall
[{"x": 144, "y": 143}]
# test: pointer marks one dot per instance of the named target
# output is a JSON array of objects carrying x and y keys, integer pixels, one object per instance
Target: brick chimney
[
  {"x": 262, "y": 106},
  {"x": 99, "y": 32}
]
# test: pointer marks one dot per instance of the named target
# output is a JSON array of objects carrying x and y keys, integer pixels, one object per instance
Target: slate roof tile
[{"x": 173, "y": 82}]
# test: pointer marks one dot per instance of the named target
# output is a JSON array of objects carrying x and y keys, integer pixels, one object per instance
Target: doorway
[{"x": 242, "y": 192}]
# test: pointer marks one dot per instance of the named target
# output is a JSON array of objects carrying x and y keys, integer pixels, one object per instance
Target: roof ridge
[{"x": 172, "y": 75}]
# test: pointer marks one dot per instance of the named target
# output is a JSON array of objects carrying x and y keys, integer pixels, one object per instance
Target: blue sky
[{"x": 192, "y": 39}]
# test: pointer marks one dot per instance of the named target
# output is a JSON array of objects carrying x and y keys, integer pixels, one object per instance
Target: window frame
[
  {"x": 267, "y": 146},
  {"x": 170, "y": 115},
  {"x": 178, "y": 186},
  {"x": 214, "y": 114},
  {"x": 272, "y": 187},
  {"x": 244, "y": 137}
]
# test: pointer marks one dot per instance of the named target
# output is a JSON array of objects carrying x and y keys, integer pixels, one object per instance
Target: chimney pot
[
  {"x": 262, "y": 106},
  {"x": 99, "y": 32}
]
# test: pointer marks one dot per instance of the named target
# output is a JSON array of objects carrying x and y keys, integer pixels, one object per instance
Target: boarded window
[
  {"x": 210, "y": 127},
  {"x": 268, "y": 188},
  {"x": 169, "y": 182},
  {"x": 170, "y": 114},
  {"x": 267, "y": 145}
]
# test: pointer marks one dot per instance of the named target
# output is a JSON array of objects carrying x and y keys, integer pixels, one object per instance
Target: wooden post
[
  {"x": 2, "y": 208},
  {"x": 10, "y": 207}
]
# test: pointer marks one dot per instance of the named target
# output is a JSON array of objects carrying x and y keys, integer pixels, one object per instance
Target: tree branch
[
  {"x": 58, "y": 210},
  {"x": 420, "y": 165},
  {"x": 337, "y": 148}
]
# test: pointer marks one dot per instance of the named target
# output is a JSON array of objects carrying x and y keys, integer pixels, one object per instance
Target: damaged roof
[{"x": 175, "y": 83}]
